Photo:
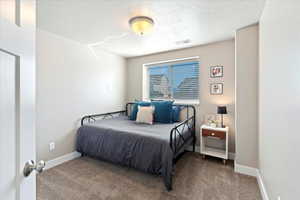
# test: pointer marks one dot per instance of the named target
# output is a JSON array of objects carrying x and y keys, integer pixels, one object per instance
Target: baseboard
[
  {"x": 231, "y": 155},
  {"x": 250, "y": 171},
  {"x": 242, "y": 169},
  {"x": 62, "y": 159},
  {"x": 262, "y": 187}
]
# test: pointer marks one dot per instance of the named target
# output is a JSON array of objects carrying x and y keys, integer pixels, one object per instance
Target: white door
[{"x": 17, "y": 98}]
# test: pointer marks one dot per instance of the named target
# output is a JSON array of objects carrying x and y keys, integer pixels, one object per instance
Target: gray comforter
[{"x": 122, "y": 141}]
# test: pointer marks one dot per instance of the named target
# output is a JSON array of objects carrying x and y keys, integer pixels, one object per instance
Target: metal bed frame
[{"x": 177, "y": 142}]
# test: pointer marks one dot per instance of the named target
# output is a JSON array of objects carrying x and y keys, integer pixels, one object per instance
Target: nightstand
[{"x": 221, "y": 134}]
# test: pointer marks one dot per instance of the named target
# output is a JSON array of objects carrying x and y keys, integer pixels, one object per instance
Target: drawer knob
[{"x": 212, "y": 134}]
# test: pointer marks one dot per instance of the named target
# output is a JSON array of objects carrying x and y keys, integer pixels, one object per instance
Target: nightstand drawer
[{"x": 213, "y": 133}]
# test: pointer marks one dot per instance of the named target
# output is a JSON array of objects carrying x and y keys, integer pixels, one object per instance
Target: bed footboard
[{"x": 177, "y": 141}]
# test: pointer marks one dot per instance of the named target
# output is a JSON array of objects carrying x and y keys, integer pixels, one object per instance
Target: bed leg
[
  {"x": 194, "y": 145},
  {"x": 169, "y": 186},
  {"x": 168, "y": 179},
  {"x": 169, "y": 189}
]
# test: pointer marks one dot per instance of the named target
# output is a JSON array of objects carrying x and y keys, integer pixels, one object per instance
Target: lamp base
[{"x": 222, "y": 125}]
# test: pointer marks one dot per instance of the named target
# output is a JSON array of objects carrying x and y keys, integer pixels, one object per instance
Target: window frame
[{"x": 146, "y": 81}]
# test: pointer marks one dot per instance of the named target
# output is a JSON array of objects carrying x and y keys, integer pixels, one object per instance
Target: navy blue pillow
[
  {"x": 176, "y": 113},
  {"x": 135, "y": 109},
  {"x": 163, "y": 111}
]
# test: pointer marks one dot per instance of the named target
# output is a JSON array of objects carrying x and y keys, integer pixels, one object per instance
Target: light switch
[{"x": 51, "y": 146}]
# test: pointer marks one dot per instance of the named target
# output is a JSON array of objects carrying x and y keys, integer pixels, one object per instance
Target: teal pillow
[
  {"x": 135, "y": 108},
  {"x": 176, "y": 113},
  {"x": 163, "y": 111}
]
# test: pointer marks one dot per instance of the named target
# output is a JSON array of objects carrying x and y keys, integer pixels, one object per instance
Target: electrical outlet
[{"x": 51, "y": 146}]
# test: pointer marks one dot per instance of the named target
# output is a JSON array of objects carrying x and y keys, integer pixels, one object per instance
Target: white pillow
[{"x": 145, "y": 114}]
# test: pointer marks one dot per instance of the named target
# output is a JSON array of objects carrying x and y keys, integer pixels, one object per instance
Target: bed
[{"x": 150, "y": 148}]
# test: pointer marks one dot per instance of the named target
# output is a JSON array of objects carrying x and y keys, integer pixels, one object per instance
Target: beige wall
[
  {"x": 72, "y": 82},
  {"x": 219, "y": 53},
  {"x": 247, "y": 96},
  {"x": 279, "y": 98}
]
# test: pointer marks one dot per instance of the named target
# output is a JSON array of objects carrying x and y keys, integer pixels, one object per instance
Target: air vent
[{"x": 183, "y": 42}]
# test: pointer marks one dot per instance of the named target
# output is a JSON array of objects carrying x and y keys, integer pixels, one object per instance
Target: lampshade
[
  {"x": 222, "y": 110},
  {"x": 141, "y": 24}
]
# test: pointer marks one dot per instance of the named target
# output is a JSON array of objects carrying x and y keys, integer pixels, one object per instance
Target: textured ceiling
[{"x": 103, "y": 24}]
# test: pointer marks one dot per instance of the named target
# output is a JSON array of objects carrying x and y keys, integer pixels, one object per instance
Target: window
[{"x": 178, "y": 81}]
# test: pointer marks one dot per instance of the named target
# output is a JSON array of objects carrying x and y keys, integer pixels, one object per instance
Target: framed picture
[
  {"x": 216, "y": 71},
  {"x": 216, "y": 88}
]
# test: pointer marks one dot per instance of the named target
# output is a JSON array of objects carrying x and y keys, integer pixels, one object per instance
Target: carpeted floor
[{"x": 89, "y": 179}]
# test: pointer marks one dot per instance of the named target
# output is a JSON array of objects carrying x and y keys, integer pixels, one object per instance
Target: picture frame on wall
[
  {"x": 216, "y": 88},
  {"x": 216, "y": 71}
]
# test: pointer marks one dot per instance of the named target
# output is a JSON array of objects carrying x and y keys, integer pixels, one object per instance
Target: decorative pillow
[
  {"x": 145, "y": 114},
  {"x": 163, "y": 111},
  {"x": 176, "y": 113},
  {"x": 135, "y": 108}
]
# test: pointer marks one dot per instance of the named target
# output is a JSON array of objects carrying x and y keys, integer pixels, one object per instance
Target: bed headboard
[{"x": 186, "y": 112}]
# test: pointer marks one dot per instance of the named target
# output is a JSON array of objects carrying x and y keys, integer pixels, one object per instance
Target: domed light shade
[{"x": 141, "y": 24}]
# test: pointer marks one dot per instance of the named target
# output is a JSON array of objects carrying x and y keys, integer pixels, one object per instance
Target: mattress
[{"x": 125, "y": 142}]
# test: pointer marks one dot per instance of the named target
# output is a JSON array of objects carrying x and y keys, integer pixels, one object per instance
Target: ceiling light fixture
[{"x": 141, "y": 24}]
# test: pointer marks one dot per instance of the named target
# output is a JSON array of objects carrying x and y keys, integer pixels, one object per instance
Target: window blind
[
  {"x": 174, "y": 81},
  {"x": 159, "y": 78}
]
